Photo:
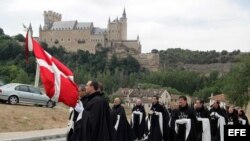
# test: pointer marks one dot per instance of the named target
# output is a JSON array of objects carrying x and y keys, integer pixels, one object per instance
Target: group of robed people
[{"x": 93, "y": 120}]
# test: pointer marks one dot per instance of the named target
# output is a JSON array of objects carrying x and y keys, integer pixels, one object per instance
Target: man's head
[
  {"x": 199, "y": 103},
  {"x": 81, "y": 90},
  {"x": 231, "y": 109},
  {"x": 216, "y": 104},
  {"x": 176, "y": 106},
  {"x": 155, "y": 99},
  {"x": 241, "y": 112},
  {"x": 91, "y": 87},
  {"x": 117, "y": 101},
  {"x": 195, "y": 106},
  {"x": 138, "y": 102},
  {"x": 182, "y": 101}
]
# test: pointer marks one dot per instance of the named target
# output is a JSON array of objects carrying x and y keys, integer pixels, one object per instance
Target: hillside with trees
[{"x": 126, "y": 72}]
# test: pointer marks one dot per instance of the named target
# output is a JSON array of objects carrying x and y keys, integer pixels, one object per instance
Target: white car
[{"x": 15, "y": 93}]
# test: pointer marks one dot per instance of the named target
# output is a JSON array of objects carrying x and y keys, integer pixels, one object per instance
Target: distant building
[
  {"x": 146, "y": 95},
  {"x": 220, "y": 97},
  {"x": 74, "y": 35}
]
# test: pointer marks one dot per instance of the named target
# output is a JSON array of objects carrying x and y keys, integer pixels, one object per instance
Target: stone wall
[
  {"x": 150, "y": 61},
  {"x": 207, "y": 68}
]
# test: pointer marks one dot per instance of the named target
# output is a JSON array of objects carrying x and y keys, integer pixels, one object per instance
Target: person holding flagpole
[{"x": 75, "y": 118}]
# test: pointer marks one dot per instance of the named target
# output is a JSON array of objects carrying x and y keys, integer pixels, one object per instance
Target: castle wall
[
  {"x": 114, "y": 31},
  {"x": 72, "y": 40},
  {"x": 133, "y": 44},
  {"x": 149, "y": 61}
]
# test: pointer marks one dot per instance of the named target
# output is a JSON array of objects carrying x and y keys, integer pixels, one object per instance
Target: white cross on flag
[{"x": 57, "y": 79}]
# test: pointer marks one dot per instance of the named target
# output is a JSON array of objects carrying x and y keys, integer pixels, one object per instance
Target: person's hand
[
  {"x": 79, "y": 108},
  {"x": 150, "y": 112},
  {"x": 216, "y": 114},
  {"x": 212, "y": 114}
]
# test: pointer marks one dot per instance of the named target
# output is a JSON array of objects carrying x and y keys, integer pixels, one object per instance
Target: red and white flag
[{"x": 57, "y": 79}]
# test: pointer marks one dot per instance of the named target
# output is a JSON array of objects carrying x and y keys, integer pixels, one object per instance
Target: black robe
[
  {"x": 243, "y": 117},
  {"x": 215, "y": 130},
  {"x": 72, "y": 118},
  {"x": 96, "y": 123},
  {"x": 232, "y": 118},
  {"x": 123, "y": 131},
  {"x": 172, "y": 133},
  {"x": 200, "y": 113},
  {"x": 138, "y": 124},
  {"x": 155, "y": 132},
  {"x": 185, "y": 113},
  {"x": 74, "y": 134}
]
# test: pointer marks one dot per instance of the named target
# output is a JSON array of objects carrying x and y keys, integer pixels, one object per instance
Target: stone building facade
[{"x": 74, "y": 35}]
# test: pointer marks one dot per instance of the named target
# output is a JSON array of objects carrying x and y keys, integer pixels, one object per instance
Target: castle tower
[
  {"x": 123, "y": 27},
  {"x": 31, "y": 30},
  {"x": 49, "y": 18},
  {"x": 117, "y": 29}
]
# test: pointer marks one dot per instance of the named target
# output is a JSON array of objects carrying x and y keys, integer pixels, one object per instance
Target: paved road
[
  {"x": 35, "y": 135},
  {"x": 61, "y": 139}
]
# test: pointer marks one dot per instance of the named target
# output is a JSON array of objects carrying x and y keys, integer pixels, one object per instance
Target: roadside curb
[
  {"x": 39, "y": 138},
  {"x": 36, "y": 135}
]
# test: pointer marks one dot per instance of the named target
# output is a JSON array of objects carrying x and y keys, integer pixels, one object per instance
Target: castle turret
[
  {"x": 31, "y": 30},
  {"x": 123, "y": 21},
  {"x": 124, "y": 13},
  {"x": 40, "y": 27},
  {"x": 49, "y": 18},
  {"x": 117, "y": 29}
]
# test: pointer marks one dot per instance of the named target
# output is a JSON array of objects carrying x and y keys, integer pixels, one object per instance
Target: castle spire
[
  {"x": 138, "y": 38},
  {"x": 31, "y": 30},
  {"x": 40, "y": 27},
  {"x": 109, "y": 19},
  {"x": 124, "y": 13}
]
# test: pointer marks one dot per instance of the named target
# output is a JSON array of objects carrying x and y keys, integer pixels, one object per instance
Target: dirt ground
[
  {"x": 30, "y": 117},
  {"x": 16, "y": 118}
]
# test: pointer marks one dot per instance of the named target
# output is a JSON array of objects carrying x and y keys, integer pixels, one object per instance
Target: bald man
[{"x": 123, "y": 131}]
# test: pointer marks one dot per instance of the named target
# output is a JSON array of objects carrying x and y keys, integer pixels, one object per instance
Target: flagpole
[{"x": 37, "y": 76}]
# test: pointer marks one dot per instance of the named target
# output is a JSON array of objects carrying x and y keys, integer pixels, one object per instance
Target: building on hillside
[
  {"x": 146, "y": 95},
  {"x": 220, "y": 97},
  {"x": 75, "y": 35}
]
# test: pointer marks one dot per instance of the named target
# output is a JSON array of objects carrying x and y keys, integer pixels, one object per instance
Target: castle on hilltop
[{"x": 74, "y": 35}]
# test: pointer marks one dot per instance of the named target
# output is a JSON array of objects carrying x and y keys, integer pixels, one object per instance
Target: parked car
[{"x": 15, "y": 93}]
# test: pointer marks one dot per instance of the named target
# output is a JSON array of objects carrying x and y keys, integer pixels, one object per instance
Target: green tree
[
  {"x": 20, "y": 38},
  {"x": 224, "y": 52},
  {"x": 22, "y": 77},
  {"x": 237, "y": 82},
  {"x": 1, "y": 31}
]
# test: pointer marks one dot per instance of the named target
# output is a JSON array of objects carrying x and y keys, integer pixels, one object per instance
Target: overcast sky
[{"x": 161, "y": 24}]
